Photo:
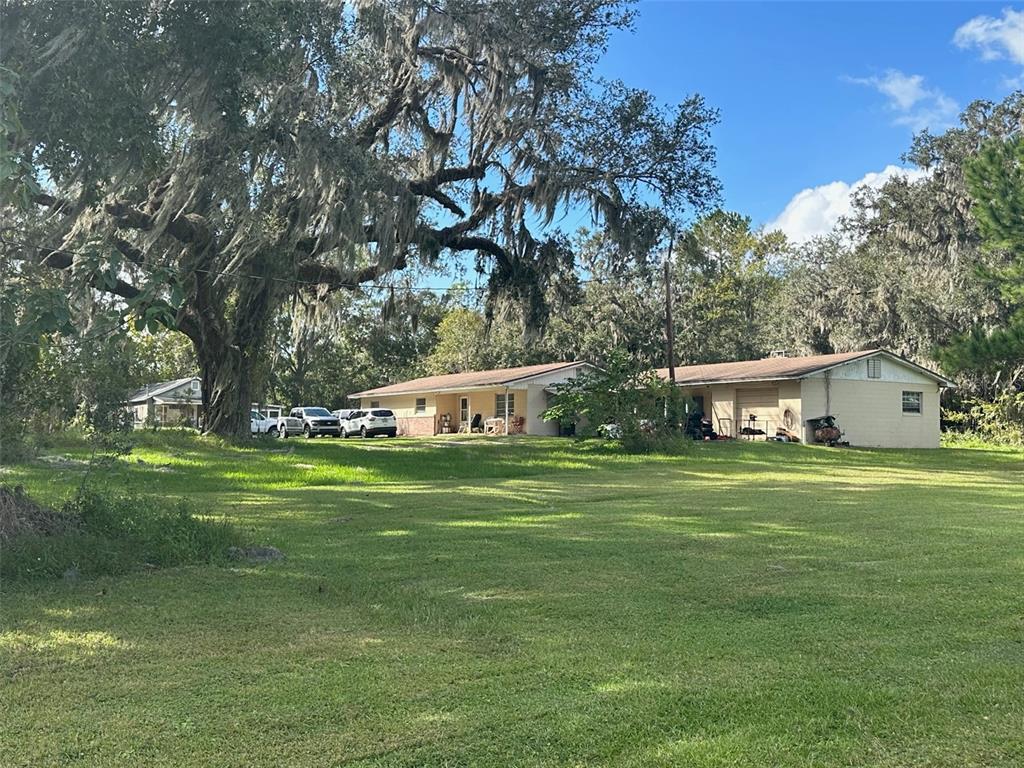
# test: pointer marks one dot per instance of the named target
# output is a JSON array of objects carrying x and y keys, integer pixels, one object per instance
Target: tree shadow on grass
[{"x": 671, "y": 613}]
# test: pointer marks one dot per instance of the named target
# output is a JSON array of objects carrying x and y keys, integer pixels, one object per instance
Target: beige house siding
[
  {"x": 530, "y": 400},
  {"x": 721, "y": 405},
  {"x": 438, "y": 404},
  {"x": 536, "y": 404},
  {"x": 870, "y": 412},
  {"x": 790, "y": 407}
]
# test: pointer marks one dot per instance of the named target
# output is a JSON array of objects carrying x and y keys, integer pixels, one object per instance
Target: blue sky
[{"x": 816, "y": 96}]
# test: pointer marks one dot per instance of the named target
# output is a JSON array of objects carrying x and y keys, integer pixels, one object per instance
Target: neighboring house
[
  {"x": 167, "y": 403},
  {"x": 878, "y": 399},
  {"x": 448, "y": 403}
]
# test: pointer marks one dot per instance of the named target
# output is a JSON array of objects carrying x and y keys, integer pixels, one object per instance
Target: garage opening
[{"x": 757, "y": 410}]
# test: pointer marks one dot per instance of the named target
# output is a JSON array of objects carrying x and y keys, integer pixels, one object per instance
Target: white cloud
[
  {"x": 1001, "y": 38},
  {"x": 913, "y": 104},
  {"x": 815, "y": 211}
]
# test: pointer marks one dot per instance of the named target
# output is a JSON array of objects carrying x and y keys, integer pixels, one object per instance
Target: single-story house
[
  {"x": 168, "y": 403},
  {"x": 878, "y": 398},
  {"x": 506, "y": 399}
]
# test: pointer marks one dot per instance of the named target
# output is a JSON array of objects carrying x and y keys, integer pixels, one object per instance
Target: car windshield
[
  {"x": 317, "y": 412},
  {"x": 382, "y": 412}
]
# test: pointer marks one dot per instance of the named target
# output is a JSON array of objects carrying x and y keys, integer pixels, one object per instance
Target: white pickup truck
[{"x": 262, "y": 423}]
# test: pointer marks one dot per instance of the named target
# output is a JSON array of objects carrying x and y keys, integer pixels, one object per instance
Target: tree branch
[
  {"x": 366, "y": 134},
  {"x": 189, "y": 228},
  {"x": 314, "y": 273},
  {"x": 58, "y": 205},
  {"x": 440, "y": 197},
  {"x": 63, "y": 260}
]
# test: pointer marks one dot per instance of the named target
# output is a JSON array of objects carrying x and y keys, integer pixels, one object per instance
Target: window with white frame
[
  {"x": 500, "y": 404},
  {"x": 421, "y": 405},
  {"x": 912, "y": 403},
  {"x": 875, "y": 368}
]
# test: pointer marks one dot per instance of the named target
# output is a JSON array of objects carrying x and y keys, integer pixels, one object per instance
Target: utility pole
[{"x": 670, "y": 334}]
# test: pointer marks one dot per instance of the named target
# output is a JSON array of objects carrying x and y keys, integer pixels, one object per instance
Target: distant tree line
[{"x": 269, "y": 223}]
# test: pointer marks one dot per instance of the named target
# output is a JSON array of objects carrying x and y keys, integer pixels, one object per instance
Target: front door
[{"x": 463, "y": 410}]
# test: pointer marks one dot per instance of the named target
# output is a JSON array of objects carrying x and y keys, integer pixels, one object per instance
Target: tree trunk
[
  {"x": 226, "y": 374},
  {"x": 228, "y": 350}
]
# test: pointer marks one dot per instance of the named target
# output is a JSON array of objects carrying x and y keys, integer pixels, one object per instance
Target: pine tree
[{"x": 995, "y": 177}]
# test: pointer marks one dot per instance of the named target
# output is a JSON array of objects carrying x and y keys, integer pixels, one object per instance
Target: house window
[
  {"x": 874, "y": 368},
  {"x": 463, "y": 410},
  {"x": 376, "y": 403},
  {"x": 500, "y": 403},
  {"x": 421, "y": 405},
  {"x": 912, "y": 402}
]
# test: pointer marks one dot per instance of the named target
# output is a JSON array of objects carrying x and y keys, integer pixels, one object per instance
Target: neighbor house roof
[
  {"x": 773, "y": 368},
  {"x": 470, "y": 379},
  {"x": 155, "y": 390}
]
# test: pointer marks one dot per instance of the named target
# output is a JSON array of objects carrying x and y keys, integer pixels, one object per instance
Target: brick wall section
[{"x": 416, "y": 426}]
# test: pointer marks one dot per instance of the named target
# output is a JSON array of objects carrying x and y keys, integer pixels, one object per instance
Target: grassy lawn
[{"x": 533, "y": 602}]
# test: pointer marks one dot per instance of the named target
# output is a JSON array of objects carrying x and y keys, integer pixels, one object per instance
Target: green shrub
[
  {"x": 116, "y": 532},
  {"x": 622, "y": 401},
  {"x": 997, "y": 421}
]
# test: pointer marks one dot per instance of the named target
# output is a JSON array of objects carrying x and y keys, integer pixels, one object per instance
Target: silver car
[{"x": 309, "y": 421}]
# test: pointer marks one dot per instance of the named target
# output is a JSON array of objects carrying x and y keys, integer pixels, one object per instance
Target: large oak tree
[{"x": 204, "y": 160}]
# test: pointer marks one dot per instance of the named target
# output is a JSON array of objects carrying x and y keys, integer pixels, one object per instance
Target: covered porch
[
  {"x": 491, "y": 412},
  {"x": 484, "y": 411}
]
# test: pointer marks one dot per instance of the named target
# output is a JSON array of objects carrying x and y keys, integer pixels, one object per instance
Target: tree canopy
[
  {"x": 205, "y": 160},
  {"x": 995, "y": 177}
]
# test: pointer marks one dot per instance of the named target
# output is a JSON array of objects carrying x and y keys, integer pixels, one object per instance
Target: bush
[
  {"x": 622, "y": 401},
  {"x": 997, "y": 421},
  {"x": 114, "y": 532}
]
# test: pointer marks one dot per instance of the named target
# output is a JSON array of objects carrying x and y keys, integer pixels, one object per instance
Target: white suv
[{"x": 369, "y": 423}]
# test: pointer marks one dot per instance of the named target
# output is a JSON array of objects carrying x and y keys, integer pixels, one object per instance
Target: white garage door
[{"x": 762, "y": 402}]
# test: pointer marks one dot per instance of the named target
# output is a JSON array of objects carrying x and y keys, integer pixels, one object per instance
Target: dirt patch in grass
[{"x": 19, "y": 514}]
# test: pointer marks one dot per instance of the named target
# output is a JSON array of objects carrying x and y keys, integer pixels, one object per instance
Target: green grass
[
  {"x": 115, "y": 533},
  {"x": 533, "y": 602}
]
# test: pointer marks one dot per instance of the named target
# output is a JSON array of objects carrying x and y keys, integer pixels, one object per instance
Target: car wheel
[
  {"x": 282, "y": 433},
  {"x": 306, "y": 432},
  {"x": 272, "y": 431},
  {"x": 362, "y": 431}
]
